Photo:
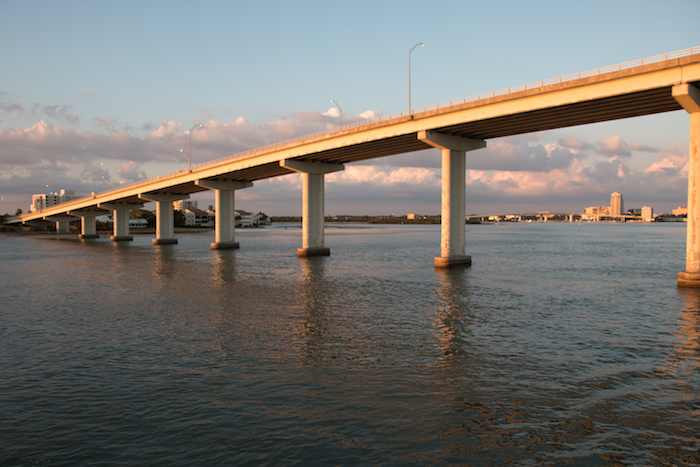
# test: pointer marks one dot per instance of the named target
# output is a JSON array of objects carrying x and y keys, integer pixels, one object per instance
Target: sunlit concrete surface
[{"x": 662, "y": 85}]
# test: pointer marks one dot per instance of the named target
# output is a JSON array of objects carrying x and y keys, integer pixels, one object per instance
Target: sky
[{"x": 107, "y": 92}]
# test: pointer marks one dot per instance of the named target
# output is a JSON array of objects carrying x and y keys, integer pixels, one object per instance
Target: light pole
[
  {"x": 189, "y": 157},
  {"x": 93, "y": 178},
  {"x": 341, "y": 111},
  {"x": 410, "y": 112},
  {"x": 189, "y": 154}
]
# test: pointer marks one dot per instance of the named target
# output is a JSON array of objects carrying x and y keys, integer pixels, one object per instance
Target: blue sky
[{"x": 122, "y": 82}]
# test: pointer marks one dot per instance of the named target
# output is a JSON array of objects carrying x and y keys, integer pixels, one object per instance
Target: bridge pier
[
  {"x": 62, "y": 223},
  {"x": 225, "y": 210},
  {"x": 313, "y": 204},
  {"x": 452, "y": 240},
  {"x": 689, "y": 97},
  {"x": 165, "y": 216},
  {"x": 121, "y": 220},
  {"x": 88, "y": 226}
]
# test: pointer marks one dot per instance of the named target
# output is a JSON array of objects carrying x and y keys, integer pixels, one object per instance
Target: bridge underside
[
  {"x": 658, "y": 87},
  {"x": 637, "y": 104}
]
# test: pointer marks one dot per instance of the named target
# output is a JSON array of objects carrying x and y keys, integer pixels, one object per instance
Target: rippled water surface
[{"x": 559, "y": 346}]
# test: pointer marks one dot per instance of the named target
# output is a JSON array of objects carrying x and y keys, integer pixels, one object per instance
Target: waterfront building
[
  {"x": 680, "y": 211},
  {"x": 197, "y": 218},
  {"x": 246, "y": 218},
  {"x": 137, "y": 223},
  {"x": 617, "y": 205},
  {"x": 42, "y": 201},
  {"x": 647, "y": 214}
]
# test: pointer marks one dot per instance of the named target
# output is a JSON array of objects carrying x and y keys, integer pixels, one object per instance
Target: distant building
[
  {"x": 680, "y": 211},
  {"x": 597, "y": 210},
  {"x": 197, "y": 218},
  {"x": 647, "y": 214},
  {"x": 184, "y": 204},
  {"x": 43, "y": 201},
  {"x": 412, "y": 216},
  {"x": 138, "y": 222},
  {"x": 246, "y": 218},
  {"x": 617, "y": 205},
  {"x": 635, "y": 211}
]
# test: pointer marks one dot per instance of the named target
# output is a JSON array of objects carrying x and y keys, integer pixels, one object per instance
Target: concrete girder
[
  {"x": 165, "y": 216},
  {"x": 452, "y": 237},
  {"x": 121, "y": 219},
  {"x": 62, "y": 222},
  {"x": 225, "y": 221},
  {"x": 88, "y": 226},
  {"x": 313, "y": 204},
  {"x": 689, "y": 97}
]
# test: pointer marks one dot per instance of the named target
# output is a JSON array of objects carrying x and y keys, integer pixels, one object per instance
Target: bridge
[{"x": 663, "y": 83}]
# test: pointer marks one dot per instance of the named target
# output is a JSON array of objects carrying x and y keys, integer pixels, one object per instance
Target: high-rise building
[
  {"x": 43, "y": 201},
  {"x": 647, "y": 214},
  {"x": 617, "y": 205},
  {"x": 184, "y": 204}
]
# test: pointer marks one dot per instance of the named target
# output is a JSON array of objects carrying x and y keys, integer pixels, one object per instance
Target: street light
[
  {"x": 341, "y": 111},
  {"x": 410, "y": 112},
  {"x": 189, "y": 154},
  {"x": 93, "y": 178},
  {"x": 189, "y": 157}
]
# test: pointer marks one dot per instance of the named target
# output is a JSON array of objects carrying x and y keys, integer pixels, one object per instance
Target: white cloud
[
  {"x": 332, "y": 112},
  {"x": 167, "y": 129},
  {"x": 516, "y": 154},
  {"x": 130, "y": 171},
  {"x": 378, "y": 175},
  {"x": 523, "y": 170},
  {"x": 368, "y": 114},
  {"x": 673, "y": 162}
]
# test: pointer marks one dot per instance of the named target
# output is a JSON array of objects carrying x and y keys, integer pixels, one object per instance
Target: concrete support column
[
  {"x": 313, "y": 204},
  {"x": 689, "y": 97},
  {"x": 62, "y": 223},
  {"x": 120, "y": 220},
  {"x": 88, "y": 226},
  {"x": 452, "y": 240},
  {"x": 63, "y": 226},
  {"x": 454, "y": 206},
  {"x": 165, "y": 216},
  {"x": 225, "y": 210}
]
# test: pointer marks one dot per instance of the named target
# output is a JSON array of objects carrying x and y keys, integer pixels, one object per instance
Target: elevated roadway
[{"x": 658, "y": 84}]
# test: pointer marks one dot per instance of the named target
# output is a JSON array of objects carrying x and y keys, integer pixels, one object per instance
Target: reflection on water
[
  {"x": 312, "y": 299},
  {"x": 163, "y": 266},
  {"x": 225, "y": 266},
  {"x": 455, "y": 314},
  {"x": 687, "y": 356},
  {"x": 557, "y": 347}
]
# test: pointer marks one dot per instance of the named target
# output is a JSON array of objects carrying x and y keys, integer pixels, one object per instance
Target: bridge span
[{"x": 663, "y": 83}]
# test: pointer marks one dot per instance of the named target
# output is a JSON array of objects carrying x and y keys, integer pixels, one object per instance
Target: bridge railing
[{"x": 477, "y": 97}]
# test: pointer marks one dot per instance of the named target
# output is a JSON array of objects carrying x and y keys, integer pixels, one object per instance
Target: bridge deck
[{"x": 633, "y": 92}]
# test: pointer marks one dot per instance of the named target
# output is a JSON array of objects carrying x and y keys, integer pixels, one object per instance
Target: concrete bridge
[{"x": 664, "y": 83}]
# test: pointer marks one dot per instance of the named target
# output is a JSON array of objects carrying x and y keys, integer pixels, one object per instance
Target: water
[{"x": 559, "y": 346}]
